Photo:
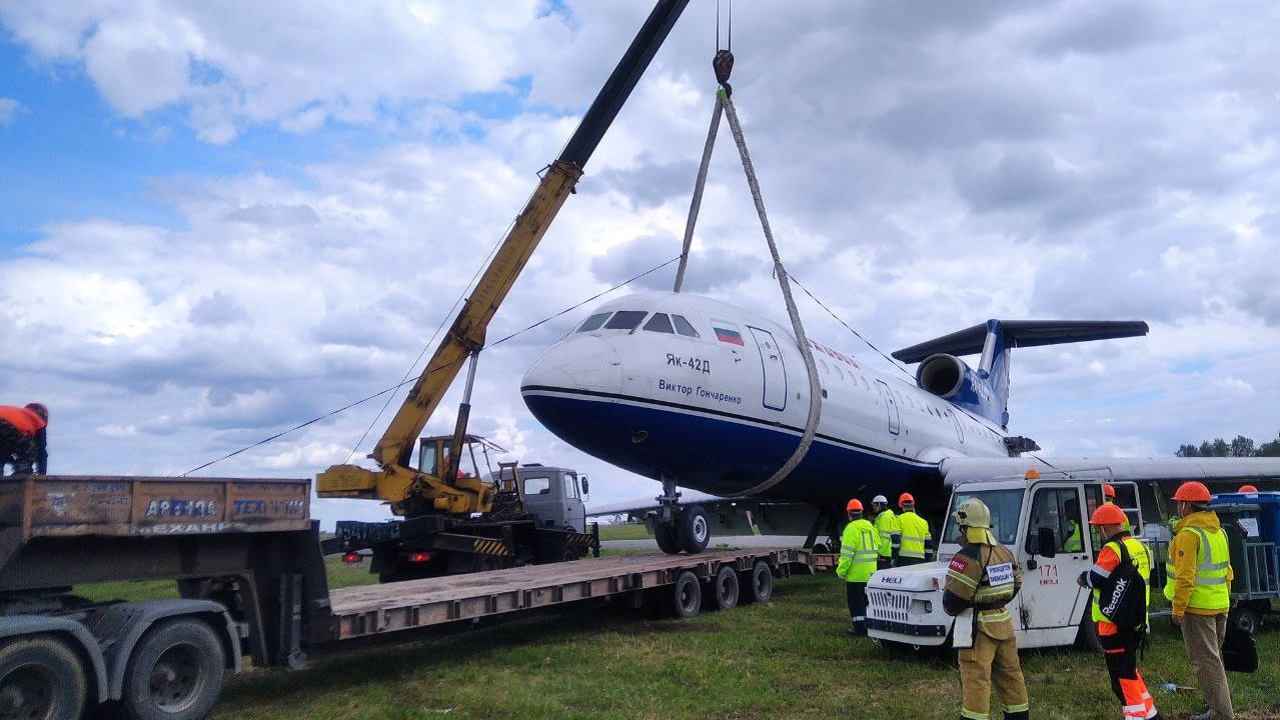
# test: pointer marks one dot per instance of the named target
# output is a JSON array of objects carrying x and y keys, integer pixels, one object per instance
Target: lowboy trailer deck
[{"x": 249, "y": 567}]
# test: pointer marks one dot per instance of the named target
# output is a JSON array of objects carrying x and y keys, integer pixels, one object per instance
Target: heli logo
[{"x": 892, "y": 581}]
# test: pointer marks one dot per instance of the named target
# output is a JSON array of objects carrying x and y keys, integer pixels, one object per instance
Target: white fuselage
[{"x": 681, "y": 386}]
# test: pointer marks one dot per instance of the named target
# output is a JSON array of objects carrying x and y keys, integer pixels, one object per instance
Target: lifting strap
[{"x": 723, "y": 65}]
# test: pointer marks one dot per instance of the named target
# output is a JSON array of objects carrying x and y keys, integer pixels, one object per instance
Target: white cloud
[{"x": 8, "y": 111}]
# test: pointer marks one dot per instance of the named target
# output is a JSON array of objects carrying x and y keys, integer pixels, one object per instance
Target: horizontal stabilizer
[{"x": 1023, "y": 333}]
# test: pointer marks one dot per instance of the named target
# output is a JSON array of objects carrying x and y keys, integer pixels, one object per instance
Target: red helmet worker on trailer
[{"x": 23, "y": 442}]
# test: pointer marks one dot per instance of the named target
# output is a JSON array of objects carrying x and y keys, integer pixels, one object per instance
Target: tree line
[{"x": 1241, "y": 446}]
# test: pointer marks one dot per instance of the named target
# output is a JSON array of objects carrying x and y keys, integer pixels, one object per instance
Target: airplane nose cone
[{"x": 580, "y": 364}]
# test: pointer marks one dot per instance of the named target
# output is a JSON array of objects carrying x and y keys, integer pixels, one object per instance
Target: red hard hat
[
  {"x": 1193, "y": 491},
  {"x": 905, "y": 498},
  {"x": 1248, "y": 488},
  {"x": 854, "y": 504},
  {"x": 1107, "y": 514},
  {"x": 1108, "y": 491}
]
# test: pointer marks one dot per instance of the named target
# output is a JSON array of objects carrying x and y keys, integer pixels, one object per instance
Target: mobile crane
[{"x": 439, "y": 503}]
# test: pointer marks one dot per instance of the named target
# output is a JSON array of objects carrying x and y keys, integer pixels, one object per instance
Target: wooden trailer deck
[{"x": 375, "y": 609}]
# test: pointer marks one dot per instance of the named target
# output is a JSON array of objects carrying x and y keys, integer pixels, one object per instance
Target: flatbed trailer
[{"x": 248, "y": 563}]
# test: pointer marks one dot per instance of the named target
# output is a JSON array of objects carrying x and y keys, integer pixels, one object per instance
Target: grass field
[{"x": 786, "y": 659}]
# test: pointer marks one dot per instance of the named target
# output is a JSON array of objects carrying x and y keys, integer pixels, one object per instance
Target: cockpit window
[
  {"x": 683, "y": 327},
  {"x": 625, "y": 320},
  {"x": 594, "y": 322},
  {"x": 659, "y": 323}
]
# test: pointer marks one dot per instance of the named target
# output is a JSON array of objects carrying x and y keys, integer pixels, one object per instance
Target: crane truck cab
[{"x": 1044, "y": 522}]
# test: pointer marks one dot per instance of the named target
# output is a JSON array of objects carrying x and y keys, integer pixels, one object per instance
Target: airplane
[{"x": 703, "y": 395}]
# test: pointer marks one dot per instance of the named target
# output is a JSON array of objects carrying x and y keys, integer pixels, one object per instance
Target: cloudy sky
[{"x": 222, "y": 220}]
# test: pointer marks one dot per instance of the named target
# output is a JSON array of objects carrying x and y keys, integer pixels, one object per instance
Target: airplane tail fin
[{"x": 986, "y": 390}]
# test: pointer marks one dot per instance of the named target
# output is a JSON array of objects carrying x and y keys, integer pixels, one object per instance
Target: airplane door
[
  {"x": 895, "y": 421},
  {"x": 774, "y": 395},
  {"x": 1050, "y": 596}
]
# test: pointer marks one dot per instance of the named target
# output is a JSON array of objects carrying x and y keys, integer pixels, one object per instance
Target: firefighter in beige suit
[{"x": 982, "y": 578}]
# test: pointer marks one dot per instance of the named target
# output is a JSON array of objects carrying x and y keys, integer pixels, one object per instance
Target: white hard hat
[{"x": 880, "y": 499}]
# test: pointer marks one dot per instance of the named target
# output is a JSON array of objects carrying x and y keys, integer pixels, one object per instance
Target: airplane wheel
[
  {"x": 684, "y": 597},
  {"x": 724, "y": 589},
  {"x": 759, "y": 582},
  {"x": 666, "y": 537},
  {"x": 693, "y": 530}
]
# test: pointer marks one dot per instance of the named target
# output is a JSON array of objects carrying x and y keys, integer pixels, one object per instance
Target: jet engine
[{"x": 947, "y": 376}]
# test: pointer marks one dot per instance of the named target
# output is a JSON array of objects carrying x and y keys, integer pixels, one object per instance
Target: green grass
[
  {"x": 786, "y": 659},
  {"x": 628, "y": 531}
]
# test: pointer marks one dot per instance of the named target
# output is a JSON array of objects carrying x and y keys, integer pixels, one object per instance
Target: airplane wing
[
  {"x": 727, "y": 516},
  {"x": 1211, "y": 471}
]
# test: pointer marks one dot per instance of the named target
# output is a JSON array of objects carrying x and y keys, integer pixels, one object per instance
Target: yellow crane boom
[{"x": 418, "y": 491}]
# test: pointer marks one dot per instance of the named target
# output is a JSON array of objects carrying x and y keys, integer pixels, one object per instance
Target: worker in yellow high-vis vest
[
  {"x": 1199, "y": 590},
  {"x": 857, "y": 561},
  {"x": 890, "y": 532},
  {"x": 917, "y": 542}
]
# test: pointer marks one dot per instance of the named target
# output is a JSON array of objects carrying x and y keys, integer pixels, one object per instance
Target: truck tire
[
  {"x": 759, "y": 583},
  {"x": 175, "y": 672},
  {"x": 693, "y": 530},
  {"x": 40, "y": 679},
  {"x": 684, "y": 599},
  {"x": 723, "y": 588}
]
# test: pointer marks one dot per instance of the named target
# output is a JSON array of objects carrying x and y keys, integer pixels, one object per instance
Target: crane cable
[{"x": 722, "y": 63}]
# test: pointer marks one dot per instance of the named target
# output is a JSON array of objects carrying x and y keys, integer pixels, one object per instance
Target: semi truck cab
[{"x": 1044, "y": 522}]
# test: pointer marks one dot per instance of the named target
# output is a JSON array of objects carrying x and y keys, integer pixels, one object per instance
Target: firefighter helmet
[{"x": 973, "y": 513}]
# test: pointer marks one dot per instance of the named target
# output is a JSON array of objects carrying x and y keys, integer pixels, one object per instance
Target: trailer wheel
[
  {"x": 693, "y": 530},
  {"x": 175, "y": 672},
  {"x": 724, "y": 589},
  {"x": 684, "y": 599},
  {"x": 759, "y": 582},
  {"x": 40, "y": 679}
]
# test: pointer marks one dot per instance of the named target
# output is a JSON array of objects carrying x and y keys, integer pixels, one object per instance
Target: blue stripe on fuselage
[{"x": 719, "y": 453}]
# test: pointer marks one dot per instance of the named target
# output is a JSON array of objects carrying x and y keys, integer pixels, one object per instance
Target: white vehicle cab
[{"x": 1044, "y": 522}]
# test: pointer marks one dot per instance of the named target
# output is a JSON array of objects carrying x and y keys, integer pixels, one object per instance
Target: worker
[
  {"x": 23, "y": 442},
  {"x": 1248, "y": 489},
  {"x": 1109, "y": 497},
  {"x": 982, "y": 578},
  {"x": 1120, "y": 643},
  {"x": 858, "y": 554},
  {"x": 890, "y": 532},
  {"x": 917, "y": 542},
  {"x": 1199, "y": 592},
  {"x": 1072, "y": 542}
]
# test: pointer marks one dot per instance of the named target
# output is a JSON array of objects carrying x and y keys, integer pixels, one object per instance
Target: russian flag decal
[{"x": 727, "y": 335}]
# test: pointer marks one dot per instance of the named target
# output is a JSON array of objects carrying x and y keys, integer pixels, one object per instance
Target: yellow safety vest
[
  {"x": 887, "y": 524},
  {"x": 1138, "y": 554},
  {"x": 857, "y": 551},
  {"x": 1212, "y": 560},
  {"x": 915, "y": 530}
]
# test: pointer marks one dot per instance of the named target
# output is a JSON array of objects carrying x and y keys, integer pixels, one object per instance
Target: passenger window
[
  {"x": 683, "y": 327},
  {"x": 625, "y": 320},
  {"x": 570, "y": 485},
  {"x": 537, "y": 486},
  {"x": 659, "y": 323},
  {"x": 594, "y": 322}
]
